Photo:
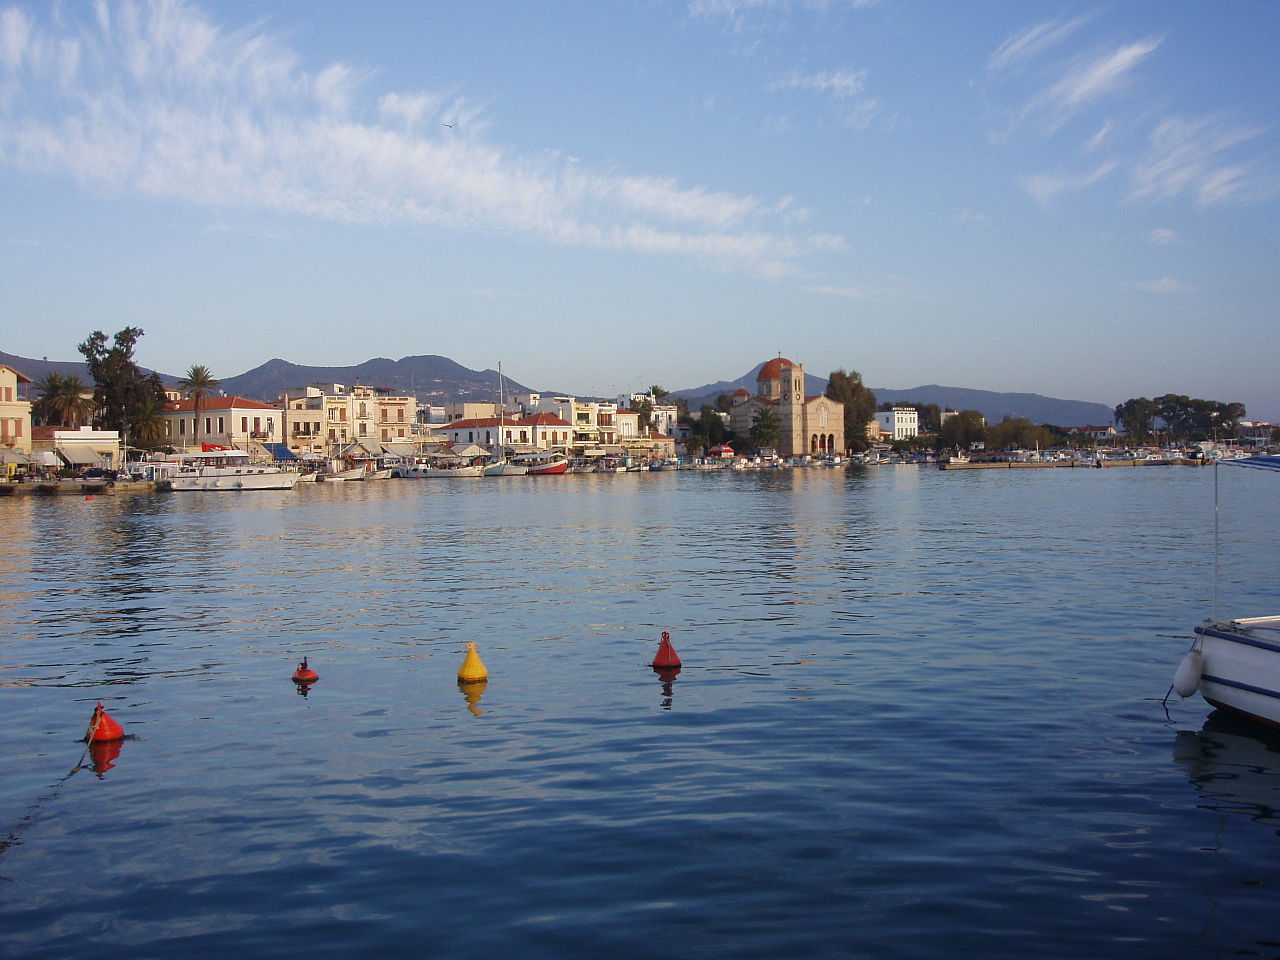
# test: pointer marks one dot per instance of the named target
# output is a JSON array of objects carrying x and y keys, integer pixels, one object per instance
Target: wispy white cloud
[
  {"x": 1192, "y": 157},
  {"x": 840, "y": 84},
  {"x": 742, "y": 16},
  {"x": 1162, "y": 236},
  {"x": 1163, "y": 285},
  {"x": 1045, "y": 187},
  {"x": 844, "y": 87},
  {"x": 1028, "y": 45},
  {"x": 1098, "y": 76},
  {"x": 1097, "y": 140},
  {"x": 154, "y": 99}
]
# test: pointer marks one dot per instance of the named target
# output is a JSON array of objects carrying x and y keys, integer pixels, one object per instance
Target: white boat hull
[
  {"x": 433, "y": 473},
  {"x": 219, "y": 480},
  {"x": 1241, "y": 670}
]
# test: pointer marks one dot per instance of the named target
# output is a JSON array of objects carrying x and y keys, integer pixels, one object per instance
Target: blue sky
[{"x": 1078, "y": 200}]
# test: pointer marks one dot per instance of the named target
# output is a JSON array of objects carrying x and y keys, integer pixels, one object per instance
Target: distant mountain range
[
  {"x": 992, "y": 405},
  {"x": 438, "y": 380}
]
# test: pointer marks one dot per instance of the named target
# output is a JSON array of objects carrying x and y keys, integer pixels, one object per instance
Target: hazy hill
[
  {"x": 430, "y": 378},
  {"x": 438, "y": 379},
  {"x": 992, "y": 405},
  {"x": 39, "y": 369}
]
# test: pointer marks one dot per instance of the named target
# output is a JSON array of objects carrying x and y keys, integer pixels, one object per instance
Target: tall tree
[
  {"x": 198, "y": 383},
  {"x": 962, "y": 430},
  {"x": 64, "y": 401},
  {"x": 1137, "y": 417},
  {"x": 859, "y": 406},
  {"x": 148, "y": 423},
  {"x": 119, "y": 383},
  {"x": 645, "y": 409},
  {"x": 658, "y": 393},
  {"x": 764, "y": 429}
]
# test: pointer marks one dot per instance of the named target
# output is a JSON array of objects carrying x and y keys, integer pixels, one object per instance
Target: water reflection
[
  {"x": 1234, "y": 765},
  {"x": 472, "y": 691},
  {"x": 102, "y": 755},
  {"x": 668, "y": 677}
]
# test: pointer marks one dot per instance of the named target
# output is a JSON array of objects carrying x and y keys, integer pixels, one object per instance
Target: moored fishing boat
[
  {"x": 445, "y": 468},
  {"x": 227, "y": 471},
  {"x": 1235, "y": 663},
  {"x": 543, "y": 463}
]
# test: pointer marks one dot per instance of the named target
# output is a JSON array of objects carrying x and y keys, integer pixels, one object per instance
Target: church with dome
[{"x": 806, "y": 425}]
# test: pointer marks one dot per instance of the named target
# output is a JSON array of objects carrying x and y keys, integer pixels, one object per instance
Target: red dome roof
[{"x": 772, "y": 369}]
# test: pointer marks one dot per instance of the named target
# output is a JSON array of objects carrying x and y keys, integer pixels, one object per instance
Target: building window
[
  {"x": 208, "y": 424},
  {"x": 222, "y": 424}
]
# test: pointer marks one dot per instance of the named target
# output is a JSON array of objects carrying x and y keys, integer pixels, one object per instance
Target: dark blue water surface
[{"x": 919, "y": 717}]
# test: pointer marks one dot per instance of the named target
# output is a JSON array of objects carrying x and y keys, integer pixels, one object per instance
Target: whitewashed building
[{"x": 900, "y": 423}]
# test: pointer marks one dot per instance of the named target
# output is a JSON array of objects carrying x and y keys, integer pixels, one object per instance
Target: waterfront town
[{"x": 340, "y": 431}]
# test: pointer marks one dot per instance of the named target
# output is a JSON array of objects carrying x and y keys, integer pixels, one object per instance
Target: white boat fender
[{"x": 1187, "y": 679}]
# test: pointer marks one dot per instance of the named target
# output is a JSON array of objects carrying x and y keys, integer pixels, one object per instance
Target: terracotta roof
[
  {"x": 213, "y": 404},
  {"x": 475, "y": 423},
  {"x": 537, "y": 420},
  {"x": 773, "y": 368},
  {"x": 742, "y": 392},
  {"x": 545, "y": 420}
]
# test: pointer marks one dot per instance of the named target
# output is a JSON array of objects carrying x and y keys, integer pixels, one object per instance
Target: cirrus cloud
[{"x": 154, "y": 99}]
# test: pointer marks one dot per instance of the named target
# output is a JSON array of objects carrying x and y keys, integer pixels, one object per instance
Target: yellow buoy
[{"x": 473, "y": 669}]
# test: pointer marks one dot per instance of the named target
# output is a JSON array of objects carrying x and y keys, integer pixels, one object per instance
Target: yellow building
[{"x": 15, "y": 421}]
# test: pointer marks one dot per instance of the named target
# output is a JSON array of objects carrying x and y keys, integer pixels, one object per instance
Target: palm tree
[
  {"x": 658, "y": 393},
  {"x": 62, "y": 400},
  {"x": 198, "y": 384},
  {"x": 148, "y": 422}
]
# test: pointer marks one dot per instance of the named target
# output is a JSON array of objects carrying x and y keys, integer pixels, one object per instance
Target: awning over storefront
[
  {"x": 12, "y": 456},
  {"x": 279, "y": 451},
  {"x": 78, "y": 453}
]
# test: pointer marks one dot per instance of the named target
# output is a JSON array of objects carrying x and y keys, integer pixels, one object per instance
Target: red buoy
[
  {"x": 102, "y": 728},
  {"x": 666, "y": 657},
  {"x": 304, "y": 674}
]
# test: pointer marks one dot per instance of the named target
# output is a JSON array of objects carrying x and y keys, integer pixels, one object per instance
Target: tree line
[
  {"x": 1178, "y": 417},
  {"x": 124, "y": 397}
]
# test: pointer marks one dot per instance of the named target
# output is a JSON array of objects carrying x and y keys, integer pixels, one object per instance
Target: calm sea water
[{"x": 919, "y": 717}]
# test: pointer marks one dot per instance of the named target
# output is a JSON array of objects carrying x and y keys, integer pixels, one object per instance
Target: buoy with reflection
[
  {"x": 102, "y": 727},
  {"x": 666, "y": 658},
  {"x": 472, "y": 691},
  {"x": 473, "y": 669},
  {"x": 102, "y": 753},
  {"x": 304, "y": 674}
]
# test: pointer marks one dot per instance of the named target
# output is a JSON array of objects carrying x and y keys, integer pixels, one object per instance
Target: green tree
[
  {"x": 63, "y": 401},
  {"x": 645, "y": 409},
  {"x": 713, "y": 427},
  {"x": 963, "y": 430},
  {"x": 119, "y": 383},
  {"x": 1018, "y": 432},
  {"x": 1136, "y": 417},
  {"x": 658, "y": 393},
  {"x": 764, "y": 429},
  {"x": 148, "y": 425},
  {"x": 198, "y": 383},
  {"x": 859, "y": 406}
]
